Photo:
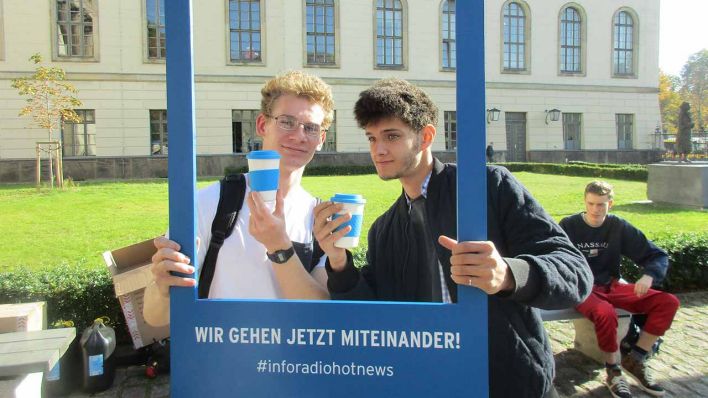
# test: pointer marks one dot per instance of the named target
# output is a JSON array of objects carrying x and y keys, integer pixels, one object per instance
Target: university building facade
[{"x": 565, "y": 80}]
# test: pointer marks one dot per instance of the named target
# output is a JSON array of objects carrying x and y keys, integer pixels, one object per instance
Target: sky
[{"x": 683, "y": 32}]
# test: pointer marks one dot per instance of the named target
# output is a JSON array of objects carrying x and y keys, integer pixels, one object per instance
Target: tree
[
  {"x": 669, "y": 101},
  {"x": 683, "y": 138},
  {"x": 694, "y": 77},
  {"x": 50, "y": 100}
]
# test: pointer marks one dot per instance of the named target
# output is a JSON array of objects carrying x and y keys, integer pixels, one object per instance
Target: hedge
[
  {"x": 634, "y": 172},
  {"x": 344, "y": 170},
  {"x": 688, "y": 262},
  {"x": 72, "y": 292},
  {"x": 582, "y": 169},
  {"x": 81, "y": 295}
]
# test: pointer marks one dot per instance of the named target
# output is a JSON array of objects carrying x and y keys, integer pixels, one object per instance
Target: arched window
[
  {"x": 514, "y": 34},
  {"x": 623, "y": 44},
  {"x": 447, "y": 27},
  {"x": 570, "y": 41},
  {"x": 390, "y": 26}
]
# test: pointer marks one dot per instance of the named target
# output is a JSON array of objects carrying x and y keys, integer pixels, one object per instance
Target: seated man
[
  {"x": 257, "y": 260},
  {"x": 413, "y": 254},
  {"x": 604, "y": 239}
]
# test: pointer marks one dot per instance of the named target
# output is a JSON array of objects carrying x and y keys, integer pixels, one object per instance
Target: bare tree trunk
[
  {"x": 39, "y": 166},
  {"x": 60, "y": 173},
  {"x": 51, "y": 162}
]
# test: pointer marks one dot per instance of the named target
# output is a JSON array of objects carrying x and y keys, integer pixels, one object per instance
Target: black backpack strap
[{"x": 232, "y": 191}]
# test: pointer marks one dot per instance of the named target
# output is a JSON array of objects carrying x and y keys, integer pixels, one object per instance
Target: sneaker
[
  {"x": 617, "y": 384},
  {"x": 639, "y": 372}
]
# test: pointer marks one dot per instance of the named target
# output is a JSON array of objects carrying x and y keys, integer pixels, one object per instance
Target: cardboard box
[
  {"x": 23, "y": 317},
  {"x": 130, "y": 269}
]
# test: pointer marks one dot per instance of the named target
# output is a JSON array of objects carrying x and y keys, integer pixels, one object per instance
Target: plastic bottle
[
  {"x": 65, "y": 375},
  {"x": 98, "y": 342}
]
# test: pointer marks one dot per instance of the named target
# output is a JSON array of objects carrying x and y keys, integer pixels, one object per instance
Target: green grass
[{"x": 76, "y": 225}]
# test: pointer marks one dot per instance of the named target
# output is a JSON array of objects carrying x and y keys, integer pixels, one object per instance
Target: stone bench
[{"x": 585, "y": 338}]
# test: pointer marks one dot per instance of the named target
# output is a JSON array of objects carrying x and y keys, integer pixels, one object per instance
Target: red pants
[{"x": 599, "y": 308}]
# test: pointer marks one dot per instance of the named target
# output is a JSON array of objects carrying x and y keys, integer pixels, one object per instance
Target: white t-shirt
[{"x": 242, "y": 268}]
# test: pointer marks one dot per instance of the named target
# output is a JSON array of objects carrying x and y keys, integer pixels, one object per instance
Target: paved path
[{"x": 681, "y": 366}]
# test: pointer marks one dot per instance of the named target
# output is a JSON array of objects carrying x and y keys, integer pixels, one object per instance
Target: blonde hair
[
  {"x": 300, "y": 84},
  {"x": 600, "y": 188}
]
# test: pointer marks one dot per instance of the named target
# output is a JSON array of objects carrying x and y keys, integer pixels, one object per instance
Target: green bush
[
  {"x": 72, "y": 292},
  {"x": 617, "y": 171},
  {"x": 688, "y": 262},
  {"x": 634, "y": 172},
  {"x": 79, "y": 294},
  {"x": 344, "y": 170}
]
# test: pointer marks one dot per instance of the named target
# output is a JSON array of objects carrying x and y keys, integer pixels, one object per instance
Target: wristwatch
[{"x": 281, "y": 256}]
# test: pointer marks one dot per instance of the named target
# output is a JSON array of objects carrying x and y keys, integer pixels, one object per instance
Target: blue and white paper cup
[
  {"x": 353, "y": 204},
  {"x": 263, "y": 173}
]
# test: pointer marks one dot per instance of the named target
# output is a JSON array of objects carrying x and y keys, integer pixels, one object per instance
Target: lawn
[{"x": 77, "y": 225}]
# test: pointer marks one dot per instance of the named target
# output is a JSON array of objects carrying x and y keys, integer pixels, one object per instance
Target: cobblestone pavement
[{"x": 681, "y": 366}]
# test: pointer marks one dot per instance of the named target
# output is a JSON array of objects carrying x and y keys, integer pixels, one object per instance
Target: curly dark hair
[{"x": 395, "y": 98}]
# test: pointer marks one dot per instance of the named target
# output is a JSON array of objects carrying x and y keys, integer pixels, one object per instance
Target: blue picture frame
[{"x": 266, "y": 348}]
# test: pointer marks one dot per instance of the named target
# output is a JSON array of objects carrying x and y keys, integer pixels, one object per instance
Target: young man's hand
[
  {"x": 478, "y": 264},
  {"x": 324, "y": 232},
  {"x": 643, "y": 285},
  {"x": 168, "y": 259},
  {"x": 266, "y": 226}
]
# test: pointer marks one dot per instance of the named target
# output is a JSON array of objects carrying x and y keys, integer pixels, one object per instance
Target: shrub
[
  {"x": 79, "y": 294},
  {"x": 343, "y": 170},
  {"x": 688, "y": 262},
  {"x": 582, "y": 169},
  {"x": 72, "y": 292}
]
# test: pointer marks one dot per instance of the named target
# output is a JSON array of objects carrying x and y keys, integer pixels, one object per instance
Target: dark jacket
[
  {"x": 549, "y": 273},
  {"x": 604, "y": 246}
]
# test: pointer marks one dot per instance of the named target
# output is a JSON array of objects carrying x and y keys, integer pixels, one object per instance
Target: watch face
[{"x": 281, "y": 256}]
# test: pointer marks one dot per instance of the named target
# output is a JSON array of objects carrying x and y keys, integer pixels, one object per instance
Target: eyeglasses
[{"x": 290, "y": 123}]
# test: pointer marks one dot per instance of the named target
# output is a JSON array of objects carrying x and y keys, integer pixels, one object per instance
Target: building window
[
  {"x": 79, "y": 139},
  {"x": 571, "y": 40},
  {"x": 320, "y": 31},
  {"x": 2, "y": 34},
  {"x": 514, "y": 32},
  {"x": 243, "y": 131},
  {"x": 625, "y": 130},
  {"x": 449, "y": 52},
  {"x": 155, "y": 25},
  {"x": 389, "y": 33},
  {"x": 245, "y": 31},
  {"x": 330, "y": 144},
  {"x": 450, "y": 118},
  {"x": 158, "y": 132},
  {"x": 572, "y": 128},
  {"x": 76, "y": 28},
  {"x": 623, "y": 44}
]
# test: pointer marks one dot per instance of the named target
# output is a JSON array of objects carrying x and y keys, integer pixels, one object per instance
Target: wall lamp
[
  {"x": 493, "y": 115},
  {"x": 554, "y": 114}
]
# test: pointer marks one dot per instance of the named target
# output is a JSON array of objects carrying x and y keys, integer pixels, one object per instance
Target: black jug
[
  {"x": 66, "y": 374},
  {"x": 98, "y": 342}
]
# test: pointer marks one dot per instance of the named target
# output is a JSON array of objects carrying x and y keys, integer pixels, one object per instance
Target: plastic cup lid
[
  {"x": 348, "y": 198},
  {"x": 266, "y": 154}
]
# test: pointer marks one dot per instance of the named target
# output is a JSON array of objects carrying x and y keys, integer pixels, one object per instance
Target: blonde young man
[
  {"x": 296, "y": 110},
  {"x": 603, "y": 239}
]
